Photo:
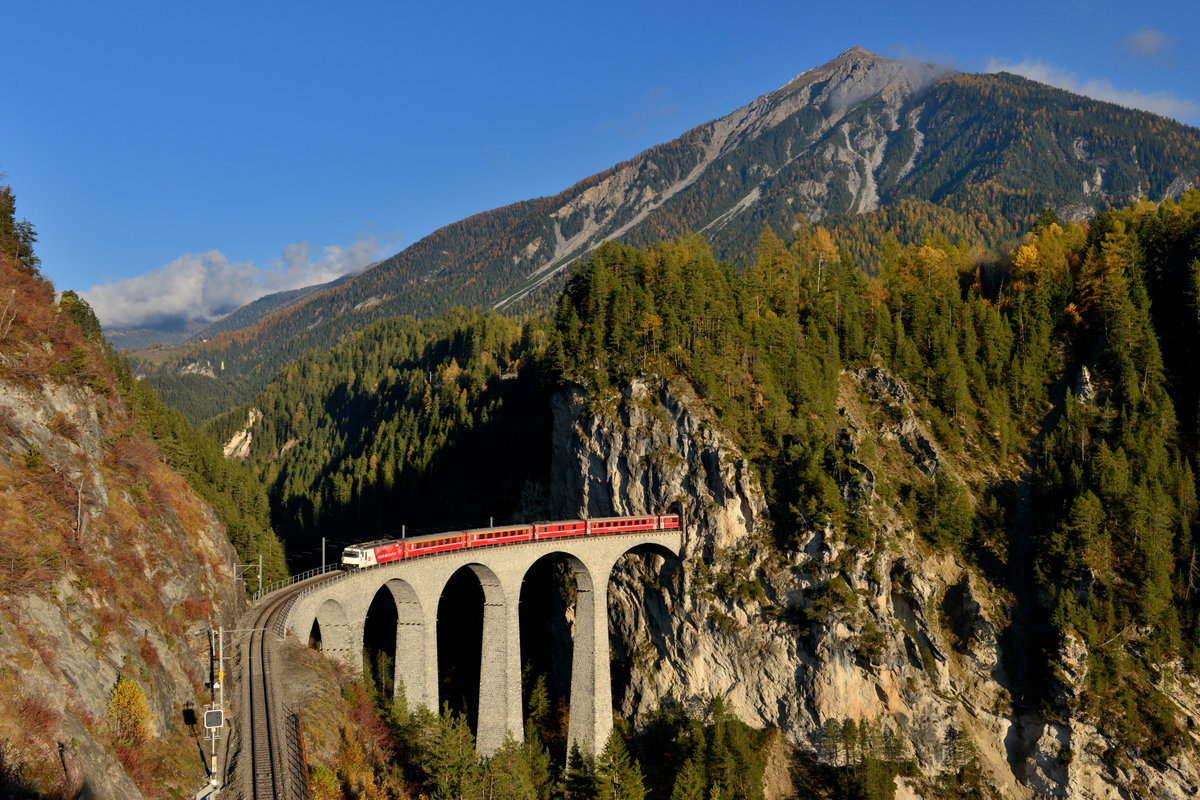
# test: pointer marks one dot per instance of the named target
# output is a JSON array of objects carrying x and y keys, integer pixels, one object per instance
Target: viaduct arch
[{"x": 339, "y": 609}]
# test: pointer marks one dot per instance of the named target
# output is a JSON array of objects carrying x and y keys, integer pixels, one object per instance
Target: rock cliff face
[
  {"x": 878, "y": 628},
  {"x": 111, "y": 566}
]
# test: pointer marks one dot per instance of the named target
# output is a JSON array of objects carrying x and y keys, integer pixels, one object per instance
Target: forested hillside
[
  {"x": 423, "y": 424},
  {"x": 863, "y": 144}
]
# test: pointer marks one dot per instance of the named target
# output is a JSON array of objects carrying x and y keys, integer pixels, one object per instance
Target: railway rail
[{"x": 267, "y": 728}]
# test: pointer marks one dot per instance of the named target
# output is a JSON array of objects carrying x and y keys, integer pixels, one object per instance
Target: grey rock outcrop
[{"x": 885, "y": 631}]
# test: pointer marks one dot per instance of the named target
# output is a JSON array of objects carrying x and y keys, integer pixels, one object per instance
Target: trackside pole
[{"x": 221, "y": 663}]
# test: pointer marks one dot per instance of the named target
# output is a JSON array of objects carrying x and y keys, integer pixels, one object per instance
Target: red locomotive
[{"x": 369, "y": 554}]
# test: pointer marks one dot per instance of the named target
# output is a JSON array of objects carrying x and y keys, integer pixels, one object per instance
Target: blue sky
[{"x": 183, "y": 158}]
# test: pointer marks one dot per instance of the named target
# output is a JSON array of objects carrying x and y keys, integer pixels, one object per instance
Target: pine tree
[
  {"x": 537, "y": 758},
  {"x": 580, "y": 782},
  {"x": 618, "y": 775},
  {"x": 507, "y": 776},
  {"x": 454, "y": 769},
  {"x": 690, "y": 783}
]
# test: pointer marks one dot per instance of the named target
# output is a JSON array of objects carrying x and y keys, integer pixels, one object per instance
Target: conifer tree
[
  {"x": 618, "y": 775},
  {"x": 454, "y": 769},
  {"x": 507, "y": 776},
  {"x": 580, "y": 781},
  {"x": 690, "y": 783}
]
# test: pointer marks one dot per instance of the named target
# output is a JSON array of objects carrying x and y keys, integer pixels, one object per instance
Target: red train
[{"x": 368, "y": 554}]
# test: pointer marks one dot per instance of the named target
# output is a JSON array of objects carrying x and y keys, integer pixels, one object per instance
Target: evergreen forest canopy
[{"x": 408, "y": 423}]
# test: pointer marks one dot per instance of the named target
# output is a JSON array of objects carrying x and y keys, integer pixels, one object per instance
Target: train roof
[
  {"x": 630, "y": 516},
  {"x": 375, "y": 543},
  {"x": 495, "y": 528}
]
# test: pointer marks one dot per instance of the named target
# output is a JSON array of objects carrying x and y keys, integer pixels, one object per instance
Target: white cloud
[
  {"x": 203, "y": 287},
  {"x": 1159, "y": 102},
  {"x": 1149, "y": 43},
  {"x": 296, "y": 268}
]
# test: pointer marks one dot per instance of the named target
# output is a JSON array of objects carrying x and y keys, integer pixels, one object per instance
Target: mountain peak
[
  {"x": 857, "y": 53},
  {"x": 857, "y": 74}
]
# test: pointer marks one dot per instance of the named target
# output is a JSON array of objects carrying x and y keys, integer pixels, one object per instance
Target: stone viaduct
[{"x": 340, "y": 608}]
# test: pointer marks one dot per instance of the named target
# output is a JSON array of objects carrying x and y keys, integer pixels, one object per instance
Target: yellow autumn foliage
[{"x": 128, "y": 712}]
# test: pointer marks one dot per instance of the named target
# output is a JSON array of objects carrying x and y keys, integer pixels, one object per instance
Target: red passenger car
[
  {"x": 554, "y": 530},
  {"x": 483, "y": 537},
  {"x": 371, "y": 554},
  {"x": 435, "y": 544}
]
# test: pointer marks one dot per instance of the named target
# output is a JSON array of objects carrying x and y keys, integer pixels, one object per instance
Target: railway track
[{"x": 269, "y": 742}]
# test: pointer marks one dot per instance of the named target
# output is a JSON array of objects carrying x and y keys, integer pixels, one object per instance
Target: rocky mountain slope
[
  {"x": 884, "y": 632},
  {"x": 851, "y": 137},
  {"x": 112, "y": 570}
]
